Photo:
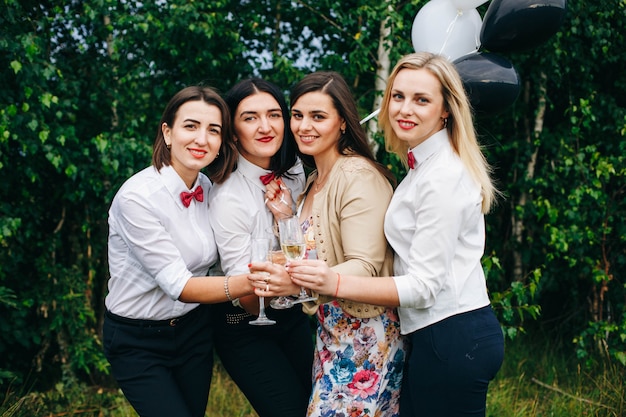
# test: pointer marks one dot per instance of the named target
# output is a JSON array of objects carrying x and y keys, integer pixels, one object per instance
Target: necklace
[{"x": 318, "y": 184}]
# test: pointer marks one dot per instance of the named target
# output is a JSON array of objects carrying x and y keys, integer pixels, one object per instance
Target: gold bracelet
[{"x": 226, "y": 289}]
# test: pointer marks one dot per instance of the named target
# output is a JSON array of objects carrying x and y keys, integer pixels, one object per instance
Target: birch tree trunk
[
  {"x": 382, "y": 74},
  {"x": 517, "y": 223}
]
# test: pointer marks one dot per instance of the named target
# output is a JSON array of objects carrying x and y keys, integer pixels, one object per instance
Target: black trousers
[
  {"x": 450, "y": 365},
  {"x": 272, "y": 365},
  {"x": 163, "y": 368}
]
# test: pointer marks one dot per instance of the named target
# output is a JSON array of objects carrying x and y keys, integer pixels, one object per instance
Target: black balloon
[
  {"x": 511, "y": 25},
  {"x": 491, "y": 81}
]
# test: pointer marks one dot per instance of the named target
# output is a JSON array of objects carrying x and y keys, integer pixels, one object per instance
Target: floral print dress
[{"x": 357, "y": 368}]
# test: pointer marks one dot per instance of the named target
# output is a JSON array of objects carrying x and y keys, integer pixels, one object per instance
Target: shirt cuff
[
  {"x": 403, "y": 286},
  {"x": 173, "y": 279}
]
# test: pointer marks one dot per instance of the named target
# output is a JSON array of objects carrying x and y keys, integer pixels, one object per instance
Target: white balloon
[
  {"x": 467, "y": 4},
  {"x": 439, "y": 27}
]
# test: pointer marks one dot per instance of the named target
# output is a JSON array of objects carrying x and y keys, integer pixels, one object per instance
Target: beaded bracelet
[{"x": 226, "y": 289}]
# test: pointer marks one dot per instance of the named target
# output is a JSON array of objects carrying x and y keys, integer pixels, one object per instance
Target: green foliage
[
  {"x": 515, "y": 304},
  {"x": 84, "y": 84},
  {"x": 563, "y": 173}
]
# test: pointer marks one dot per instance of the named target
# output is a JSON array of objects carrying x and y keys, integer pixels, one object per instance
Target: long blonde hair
[{"x": 460, "y": 125}]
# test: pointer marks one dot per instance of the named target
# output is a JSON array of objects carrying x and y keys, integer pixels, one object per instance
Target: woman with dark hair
[
  {"x": 359, "y": 351},
  {"x": 157, "y": 337},
  {"x": 270, "y": 364}
]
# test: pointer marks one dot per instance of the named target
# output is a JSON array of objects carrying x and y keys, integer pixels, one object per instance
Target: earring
[
  {"x": 168, "y": 145},
  {"x": 343, "y": 132},
  {"x": 445, "y": 122}
]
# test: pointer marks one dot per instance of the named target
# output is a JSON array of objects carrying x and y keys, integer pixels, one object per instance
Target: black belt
[{"x": 152, "y": 323}]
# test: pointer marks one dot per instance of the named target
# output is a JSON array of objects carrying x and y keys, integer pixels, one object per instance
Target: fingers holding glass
[
  {"x": 277, "y": 284},
  {"x": 314, "y": 275},
  {"x": 278, "y": 258},
  {"x": 293, "y": 246}
]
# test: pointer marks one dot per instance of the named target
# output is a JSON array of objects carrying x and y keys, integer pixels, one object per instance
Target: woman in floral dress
[{"x": 360, "y": 353}]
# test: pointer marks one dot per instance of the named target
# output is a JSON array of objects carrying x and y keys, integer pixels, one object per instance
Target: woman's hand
[
  {"x": 271, "y": 280},
  {"x": 278, "y": 199},
  {"x": 315, "y": 275}
]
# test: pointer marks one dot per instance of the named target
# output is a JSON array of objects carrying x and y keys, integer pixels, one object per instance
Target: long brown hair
[
  {"x": 354, "y": 140},
  {"x": 222, "y": 166}
]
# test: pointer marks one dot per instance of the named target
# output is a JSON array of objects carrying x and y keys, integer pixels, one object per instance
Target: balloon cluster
[{"x": 454, "y": 28}]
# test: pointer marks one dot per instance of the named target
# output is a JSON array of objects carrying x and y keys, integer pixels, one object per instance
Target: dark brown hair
[
  {"x": 285, "y": 158},
  {"x": 222, "y": 166},
  {"x": 354, "y": 140}
]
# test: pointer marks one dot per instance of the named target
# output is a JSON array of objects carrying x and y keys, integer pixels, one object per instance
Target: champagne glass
[
  {"x": 293, "y": 246},
  {"x": 277, "y": 257},
  {"x": 259, "y": 253}
]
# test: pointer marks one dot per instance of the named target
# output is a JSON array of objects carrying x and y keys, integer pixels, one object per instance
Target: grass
[
  {"x": 225, "y": 399},
  {"x": 536, "y": 380}
]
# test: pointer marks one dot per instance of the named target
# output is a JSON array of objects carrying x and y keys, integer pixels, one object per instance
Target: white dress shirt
[
  {"x": 238, "y": 213},
  {"x": 435, "y": 225},
  {"x": 156, "y": 244}
]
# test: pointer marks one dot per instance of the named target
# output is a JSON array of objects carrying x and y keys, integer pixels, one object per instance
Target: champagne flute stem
[{"x": 262, "y": 307}]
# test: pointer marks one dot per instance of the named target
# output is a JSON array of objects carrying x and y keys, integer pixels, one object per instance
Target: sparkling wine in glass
[
  {"x": 293, "y": 246},
  {"x": 278, "y": 257},
  {"x": 259, "y": 253}
]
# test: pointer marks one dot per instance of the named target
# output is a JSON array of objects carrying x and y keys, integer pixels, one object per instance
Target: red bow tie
[
  {"x": 186, "y": 197},
  {"x": 267, "y": 178},
  {"x": 411, "y": 160}
]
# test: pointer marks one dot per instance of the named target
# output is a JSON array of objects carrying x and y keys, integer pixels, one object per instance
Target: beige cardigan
[{"x": 348, "y": 216}]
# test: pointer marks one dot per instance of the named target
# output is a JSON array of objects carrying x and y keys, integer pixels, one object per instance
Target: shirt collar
[
  {"x": 430, "y": 146},
  {"x": 251, "y": 172},
  {"x": 174, "y": 183}
]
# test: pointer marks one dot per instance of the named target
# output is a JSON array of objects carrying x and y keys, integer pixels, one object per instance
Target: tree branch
[
  {"x": 567, "y": 394},
  {"x": 333, "y": 24}
]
